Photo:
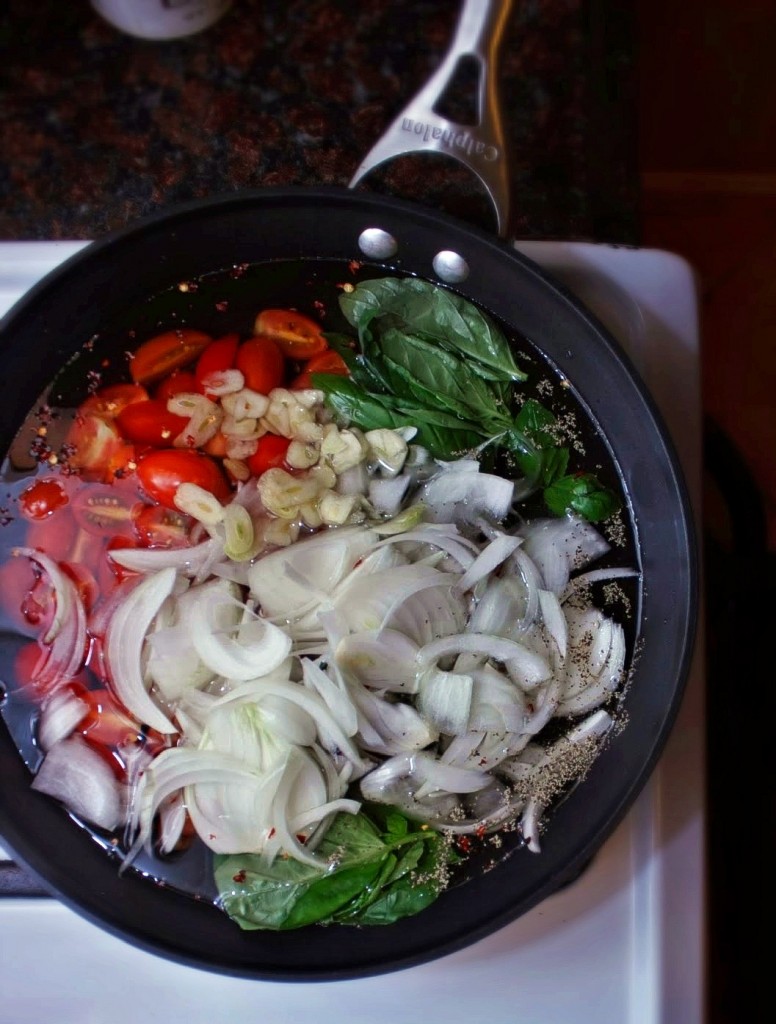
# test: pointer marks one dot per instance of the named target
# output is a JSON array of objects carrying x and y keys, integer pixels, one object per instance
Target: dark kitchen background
[{"x": 647, "y": 123}]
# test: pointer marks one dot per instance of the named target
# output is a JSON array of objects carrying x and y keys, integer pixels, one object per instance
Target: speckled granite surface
[{"x": 98, "y": 128}]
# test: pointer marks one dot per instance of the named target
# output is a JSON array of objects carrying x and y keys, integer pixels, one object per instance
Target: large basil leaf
[
  {"x": 371, "y": 873},
  {"x": 437, "y": 314}
]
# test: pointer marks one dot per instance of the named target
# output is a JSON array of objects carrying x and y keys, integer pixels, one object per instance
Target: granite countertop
[{"x": 98, "y": 128}]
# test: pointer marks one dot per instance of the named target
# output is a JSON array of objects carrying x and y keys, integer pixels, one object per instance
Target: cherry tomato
[
  {"x": 166, "y": 352},
  {"x": 104, "y": 511},
  {"x": 261, "y": 362},
  {"x": 178, "y": 383},
  {"x": 297, "y": 335},
  {"x": 217, "y": 357},
  {"x": 150, "y": 423},
  {"x": 270, "y": 453},
  {"x": 327, "y": 362},
  {"x": 159, "y": 527},
  {"x": 98, "y": 451},
  {"x": 109, "y": 401},
  {"x": 42, "y": 498},
  {"x": 161, "y": 474}
]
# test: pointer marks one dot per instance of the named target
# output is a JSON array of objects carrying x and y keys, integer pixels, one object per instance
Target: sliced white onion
[
  {"x": 529, "y": 824},
  {"x": 366, "y": 606},
  {"x": 64, "y": 639},
  {"x": 595, "y": 576},
  {"x": 461, "y": 494},
  {"x": 78, "y": 776},
  {"x": 554, "y": 620},
  {"x": 490, "y": 558},
  {"x": 186, "y": 560},
  {"x": 258, "y": 648},
  {"x": 323, "y": 561},
  {"x": 124, "y": 648},
  {"x": 60, "y": 715},
  {"x": 445, "y": 700},
  {"x": 384, "y": 660},
  {"x": 389, "y": 728},
  {"x": 491, "y": 646},
  {"x": 527, "y": 668},
  {"x": 386, "y": 494},
  {"x": 559, "y": 546}
]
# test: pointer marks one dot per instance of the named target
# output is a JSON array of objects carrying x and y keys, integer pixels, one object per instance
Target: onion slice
[
  {"x": 78, "y": 776},
  {"x": 65, "y": 637},
  {"x": 124, "y": 648}
]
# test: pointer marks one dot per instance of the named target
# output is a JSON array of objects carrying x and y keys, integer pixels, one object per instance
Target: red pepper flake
[
  {"x": 271, "y": 832},
  {"x": 211, "y": 835},
  {"x": 222, "y": 306},
  {"x": 480, "y": 832},
  {"x": 300, "y": 838},
  {"x": 464, "y": 844},
  {"x": 354, "y": 266},
  {"x": 239, "y": 877}
]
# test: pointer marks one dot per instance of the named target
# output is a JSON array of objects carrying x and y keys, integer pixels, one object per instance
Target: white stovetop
[{"x": 622, "y": 945}]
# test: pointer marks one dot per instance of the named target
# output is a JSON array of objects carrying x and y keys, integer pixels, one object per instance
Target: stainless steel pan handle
[{"x": 419, "y": 128}]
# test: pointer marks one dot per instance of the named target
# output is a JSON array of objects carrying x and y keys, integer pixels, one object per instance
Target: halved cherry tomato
[
  {"x": 298, "y": 336},
  {"x": 42, "y": 498},
  {"x": 270, "y": 454},
  {"x": 326, "y": 362},
  {"x": 150, "y": 423},
  {"x": 98, "y": 451},
  {"x": 159, "y": 527},
  {"x": 217, "y": 357},
  {"x": 161, "y": 474},
  {"x": 178, "y": 383},
  {"x": 261, "y": 362},
  {"x": 105, "y": 511},
  {"x": 166, "y": 352},
  {"x": 109, "y": 401}
]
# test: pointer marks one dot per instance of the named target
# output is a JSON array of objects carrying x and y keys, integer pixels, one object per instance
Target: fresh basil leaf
[
  {"x": 413, "y": 890},
  {"x": 583, "y": 494},
  {"x": 388, "y": 863},
  {"x": 435, "y": 313},
  {"x": 352, "y": 403},
  {"x": 534, "y": 419},
  {"x": 441, "y": 373}
]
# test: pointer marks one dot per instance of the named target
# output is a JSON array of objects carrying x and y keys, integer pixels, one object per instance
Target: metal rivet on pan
[
  {"x": 450, "y": 267},
  {"x": 377, "y": 243}
]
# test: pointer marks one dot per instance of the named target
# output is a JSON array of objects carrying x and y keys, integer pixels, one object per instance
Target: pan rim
[{"x": 368, "y": 204}]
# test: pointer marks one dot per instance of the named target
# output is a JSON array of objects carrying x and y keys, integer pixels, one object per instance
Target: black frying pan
[{"x": 109, "y": 284}]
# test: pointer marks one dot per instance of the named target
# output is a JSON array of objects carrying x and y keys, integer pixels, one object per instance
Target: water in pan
[{"x": 228, "y": 301}]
